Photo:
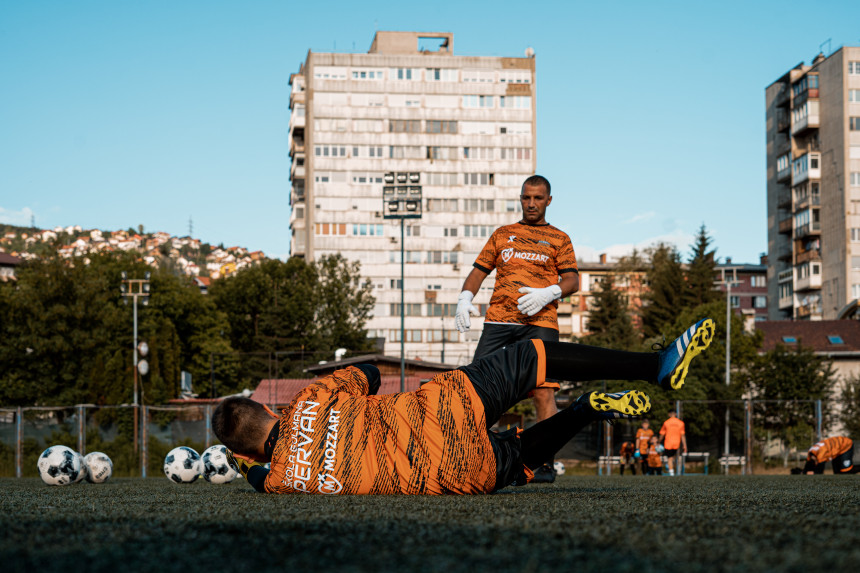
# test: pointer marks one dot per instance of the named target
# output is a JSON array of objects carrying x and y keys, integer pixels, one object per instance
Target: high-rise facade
[
  {"x": 813, "y": 188},
  {"x": 462, "y": 128}
]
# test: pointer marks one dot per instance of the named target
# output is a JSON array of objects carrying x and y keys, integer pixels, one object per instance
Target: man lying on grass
[{"x": 337, "y": 437}]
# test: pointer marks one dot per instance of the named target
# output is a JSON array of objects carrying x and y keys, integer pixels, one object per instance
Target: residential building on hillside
[
  {"x": 748, "y": 289},
  {"x": 462, "y": 128},
  {"x": 813, "y": 187}
]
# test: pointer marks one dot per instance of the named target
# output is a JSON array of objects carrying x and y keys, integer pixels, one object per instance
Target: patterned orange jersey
[
  {"x": 827, "y": 449},
  {"x": 627, "y": 449},
  {"x": 642, "y": 438},
  {"x": 654, "y": 458},
  {"x": 525, "y": 256},
  {"x": 335, "y": 439}
]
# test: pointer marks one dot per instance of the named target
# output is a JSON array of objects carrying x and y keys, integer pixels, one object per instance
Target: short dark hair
[
  {"x": 240, "y": 424},
  {"x": 536, "y": 180}
]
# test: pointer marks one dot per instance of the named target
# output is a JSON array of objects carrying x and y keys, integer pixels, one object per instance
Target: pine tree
[
  {"x": 609, "y": 320},
  {"x": 701, "y": 272},
  {"x": 663, "y": 302}
]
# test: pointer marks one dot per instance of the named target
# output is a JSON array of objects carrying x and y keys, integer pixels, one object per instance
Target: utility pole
[{"x": 728, "y": 283}]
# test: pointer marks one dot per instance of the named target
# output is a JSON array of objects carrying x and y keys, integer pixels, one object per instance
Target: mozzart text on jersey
[{"x": 299, "y": 471}]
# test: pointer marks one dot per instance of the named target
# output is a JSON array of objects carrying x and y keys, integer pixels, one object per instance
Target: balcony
[
  {"x": 783, "y": 175},
  {"x": 785, "y": 276},
  {"x": 785, "y": 226},
  {"x": 804, "y": 123},
  {"x": 783, "y": 200},
  {"x": 786, "y": 302},
  {"x": 807, "y": 230},
  {"x": 783, "y": 122},
  {"x": 811, "y": 282},
  {"x": 806, "y": 256},
  {"x": 807, "y": 201}
]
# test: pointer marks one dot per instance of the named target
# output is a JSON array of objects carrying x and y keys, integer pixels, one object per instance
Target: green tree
[
  {"x": 701, "y": 272},
  {"x": 849, "y": 415},
  {"x": 609, "y": 322},
  {"x": 662, "y": 303}
]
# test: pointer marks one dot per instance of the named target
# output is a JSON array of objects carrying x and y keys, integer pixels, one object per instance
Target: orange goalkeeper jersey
[
  {"x": 827, "y": 449},
  {"x": 525, "y": 256},
  {"x": 335, "y": 439}
]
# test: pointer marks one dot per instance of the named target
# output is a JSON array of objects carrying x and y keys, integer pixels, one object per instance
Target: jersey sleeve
[
  {"x": 486, "y": 260},
  {"x": 358, "y": 381},
  {"x": 566, "y": 259}
]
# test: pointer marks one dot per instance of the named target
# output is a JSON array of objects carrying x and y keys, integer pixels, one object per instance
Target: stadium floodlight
[
  {"x": 134, "y": 289},
  {"x": 402, "y": 202}
]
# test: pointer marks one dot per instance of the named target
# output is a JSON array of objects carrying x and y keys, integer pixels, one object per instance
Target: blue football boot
[{"x": 674, "y": 360}]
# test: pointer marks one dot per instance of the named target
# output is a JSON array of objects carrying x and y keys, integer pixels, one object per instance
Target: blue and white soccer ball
[
  {"x": 216, "y": 466},
  {"x": 182, "y": 465},
  {"x": 60, "y": 465},
  {"x": 99, "y": 467},
  {"x": 558, "y": 467}
]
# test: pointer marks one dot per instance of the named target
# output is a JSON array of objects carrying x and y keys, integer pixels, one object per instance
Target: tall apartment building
[
  {"x": 813, "y": 188},
  {"x": 460, "y": 127}
]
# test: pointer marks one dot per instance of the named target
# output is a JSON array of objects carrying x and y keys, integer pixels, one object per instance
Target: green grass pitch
[{"x": 580, "y": 523}]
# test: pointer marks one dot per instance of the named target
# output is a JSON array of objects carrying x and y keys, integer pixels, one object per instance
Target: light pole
[
  {"x": 728, "y": 283},
  {"x": 135, "y": 288},
  {"x": 402, "y": 201}
]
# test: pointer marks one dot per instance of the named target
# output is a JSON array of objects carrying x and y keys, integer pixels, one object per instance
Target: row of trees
[
  {"x": 679, "y": 294},
  {"x": 66, "y": 335}
]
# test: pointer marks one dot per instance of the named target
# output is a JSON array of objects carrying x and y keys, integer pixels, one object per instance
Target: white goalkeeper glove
[
  {"x": 535, "y": 299},
  {"x": 464, "y": 309}
]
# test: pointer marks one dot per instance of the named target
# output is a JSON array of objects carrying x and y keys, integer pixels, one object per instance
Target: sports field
[{"x": 691, "y": 523}]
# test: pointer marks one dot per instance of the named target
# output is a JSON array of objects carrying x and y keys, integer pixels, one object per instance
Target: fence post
[
  {"x": 144, "y": 440},
  {"x": 748, "y": 435},
  {"x": 608, "y": 445},
  {"x": 208, "y": 425},
  {"x": 818, "y": 420},
  {"x": 81, "y": 427},
  {"x": 19, "y": 442}
]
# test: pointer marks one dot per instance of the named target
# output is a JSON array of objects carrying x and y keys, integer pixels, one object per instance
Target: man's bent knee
[{"x": 545, "y": 405}]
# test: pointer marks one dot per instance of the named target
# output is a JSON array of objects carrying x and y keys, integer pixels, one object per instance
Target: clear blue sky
[{"x": 650, "y": 114}]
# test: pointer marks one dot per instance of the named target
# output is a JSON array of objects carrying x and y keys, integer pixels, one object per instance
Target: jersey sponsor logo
[
  {"x": 507, "y": 253},
  {"x": 328, "y": 484},
  {"x": 510, "y": 253},
  {"x": 298, "y": 472},
  {"x": 512, "y": 237}
]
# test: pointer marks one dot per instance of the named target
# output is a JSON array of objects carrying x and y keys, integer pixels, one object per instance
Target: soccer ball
[
  {"x": 216, "y": 467},
  {"x": 182, "y": 465},
  {"x": 60, "y": 465},
  {"x": 85, "y": 473},
  {"x": 99, "y": 467},
  {"x": 558, "y": 467}
]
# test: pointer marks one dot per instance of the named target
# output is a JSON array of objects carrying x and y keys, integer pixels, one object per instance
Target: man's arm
[
  {"x": 569, "y": 284},
  {"x": 465, "y": 308},
  {"x": 684, "y": 443}
]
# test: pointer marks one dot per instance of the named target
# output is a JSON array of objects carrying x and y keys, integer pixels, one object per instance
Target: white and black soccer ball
[
  {"x": 60, "y": 465},
  {"x": 85, "y": 472},
  {"x": 216, "y": 466},
  {"x": 99, "y": 467},
  {"x": 182, "y": 465},
  {"x": 558, "y": 468}
]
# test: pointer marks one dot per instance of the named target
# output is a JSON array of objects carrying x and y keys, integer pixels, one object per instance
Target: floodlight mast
[
  {"x": 401, "y": 199},
  {"x": 134, "y": 288}
]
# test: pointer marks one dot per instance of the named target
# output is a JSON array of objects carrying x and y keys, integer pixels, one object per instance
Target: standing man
[
  {"x": 672, "y": 435},
  {"x": 535, "y": 266}
]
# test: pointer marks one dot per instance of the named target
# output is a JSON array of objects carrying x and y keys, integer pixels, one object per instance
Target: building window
[
  {"x": 736, "y": 301},
  {"x": 405, "y": 125},
  {"x": 330, "y": 151},
  {"x": 446, "y": 179},
  {"x": 789, "y": 339},
  {"x": 478, "y": 153},
  {"x": 405, "y": 74},
  {"x": 405, "y": 152},
  {"x": 758, "y": 281},
  {"x": 450, "y": 231},
  {"x": 515, "y": 153},
  {"x": 436, "y": 335},
  {"x": 395, "y": 283},
  {"x": 411, "y": 257},
  {"x": 854, "y": 96},
  {"x": 855, "y": 291},
  {"x": 413, "y": 335},
  {"x": 442, "y": 257},
  {"x": 479, "y": 205},
  {"x": 412, "y": 309},
  {"x": 441, "y": 75},
  {"x": 854, "y": 124},
  {"x": 441, "y": 205},
  {"x": 435, "y": 152},
  {"x": 835, "y": 339},
  {"x": 478, "y": 178},
  {"x": 855, "y": 178},
  {"x": 413, "y": 231},
  {"x": 321, "y": 229},
  {"x": 365, "y": 74},
  {"x": 759, "y": 302},
  {"x": 515, "y": 102},
  {"x": 362, "y": 230},
  {"x": 477, "y": 101},
  {"x": 854, "y": 68},
  {"x": 515, "y": 77},
  {"x": 479, "y": 76},
  {"x": 477, "y": 231},
  {"x": 510, "y": 206},
  {"x": 441, "y": 126},
  {"x": 436, "y": 309}
]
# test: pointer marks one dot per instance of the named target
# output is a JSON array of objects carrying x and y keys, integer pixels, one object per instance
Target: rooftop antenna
[
  {"x": 821, "y": 46},
  {"x": 190, "y": 227},
  {"x": 33, "y": 220}
]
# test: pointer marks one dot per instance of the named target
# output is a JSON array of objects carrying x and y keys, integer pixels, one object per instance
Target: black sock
[
  {"x": 579, "y": 362},
  {"x": 543, "y": 440}
]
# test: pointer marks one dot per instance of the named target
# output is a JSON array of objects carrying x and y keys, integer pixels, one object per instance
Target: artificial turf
[{"x": 579, "y": 523}]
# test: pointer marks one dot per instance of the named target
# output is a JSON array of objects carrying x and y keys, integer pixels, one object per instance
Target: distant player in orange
[
  {"x": 838, "y": 450},
  {"x": 535, "y": 267},
  {"x": 627, "y": 460},
  {"x": 643, "y": 437},
  {"x": 338, "y": 437},
  {"x": 655, "y": 457},
  {"x": 672, "y": 435}
]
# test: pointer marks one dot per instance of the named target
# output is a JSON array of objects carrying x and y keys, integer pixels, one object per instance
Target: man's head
[
  {"x": 535, "y": 198},
  {"x": 645, "y": 424},
  {"x": 673, "y": 414},
  {"x": 243, "y": 426}
]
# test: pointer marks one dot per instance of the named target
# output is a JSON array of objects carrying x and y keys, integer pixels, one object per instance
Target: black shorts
[
  {"x": 497, "y": 336},
  {"x": 844, "y": 463},
  {"x": 670, "y": 453}
]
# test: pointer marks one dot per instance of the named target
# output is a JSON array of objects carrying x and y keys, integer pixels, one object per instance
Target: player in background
[
  {"x": 672, "y": 435},
  {"x": 643, "y": 437},
  {"x": 338, "y": 437},
  {"x": 535, "y": 267},
  {"x": 838, "y": 450},
  {"x": 655, "y": 457},
  {"x": 627, "y": 460}
]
